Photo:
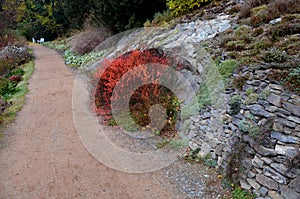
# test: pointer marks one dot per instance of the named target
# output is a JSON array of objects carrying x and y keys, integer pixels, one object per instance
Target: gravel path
[{"x": 43, "y": 157}]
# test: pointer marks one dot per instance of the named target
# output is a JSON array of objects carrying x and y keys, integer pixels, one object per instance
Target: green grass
[{"x": 17, "y": 99}]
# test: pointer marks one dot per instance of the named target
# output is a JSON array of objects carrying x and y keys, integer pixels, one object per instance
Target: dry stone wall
[{"x": 259, "y": 145}]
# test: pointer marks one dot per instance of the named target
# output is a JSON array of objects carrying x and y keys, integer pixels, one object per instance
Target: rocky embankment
[{"x": 255, "y": 135}]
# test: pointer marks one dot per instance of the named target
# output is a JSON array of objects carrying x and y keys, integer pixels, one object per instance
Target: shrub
[
  {"x": 236, "y": 98},
  {"x": 211, "y": 162},
  {"x": 227, "y": 67},
  {"x": 290, "y": 25},
  {"x": 235, "y": 105},
  {"x": 246, "y": 9},
  {"x": 180, "y": 7},
  {"x": 86, "y": 41},
  {"x": 274, "y": 55},
  {"x": 234, "y": 9},
  {"x": 242, "y": 31},
  {"x": 293, "y": 78},
  {"x": 252, "y": 98},
  {"x": 289, "y": 78},
  {"x": 12, "y": 56},
  {"x": 144, "y": 97},
  {"x": 260, "y": 16},
  {"x": 245, "y": 126},
  {"x": 261, "y": 45},
  {"x": 235, "y": 45},
  {"x": 248, "y": 126}
]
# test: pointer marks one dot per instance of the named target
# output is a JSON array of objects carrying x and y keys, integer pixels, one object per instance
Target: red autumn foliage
[
  {"x": 15, "y": 78},
  {"x": 142, "y": 98},
  {"x": 117, "y": 68}
]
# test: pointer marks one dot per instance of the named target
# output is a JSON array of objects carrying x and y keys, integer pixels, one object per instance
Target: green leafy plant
[
  {"x": 235, "y": 104},
  {"x": 291, "y": 79},
  {"x": 112, "y": 122},
  {"x": 211, "y": 162},
  {"x": 8, "y": 88},
  {"x": 264, "y": 95},
  {"x": 239, "y": 193},
  {"x": 18, "y": 71},
  {"x": 72, "y": 59},
  {"x": 254, "y": 132},
  {"x": 245, "y": 126},
  {"x": 294, "y": 76},
  {"x": 248, "y": 126},
  {"x": 236, "y": 98},
  {"x": 243, "y": 33},
  {"x": 227, "y": 67},
  {"x": 56, "y": 45},
  {"x": 252, "y": 98},
  {"x": 193, "y": 155},
  {"x": 249, "y": 91}
]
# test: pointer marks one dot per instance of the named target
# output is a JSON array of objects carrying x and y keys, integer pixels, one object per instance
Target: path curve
[{"x": 43, "y": 157}]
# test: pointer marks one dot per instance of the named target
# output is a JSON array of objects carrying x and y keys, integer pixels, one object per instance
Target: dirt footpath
[{"x": 43, "y": 157}]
